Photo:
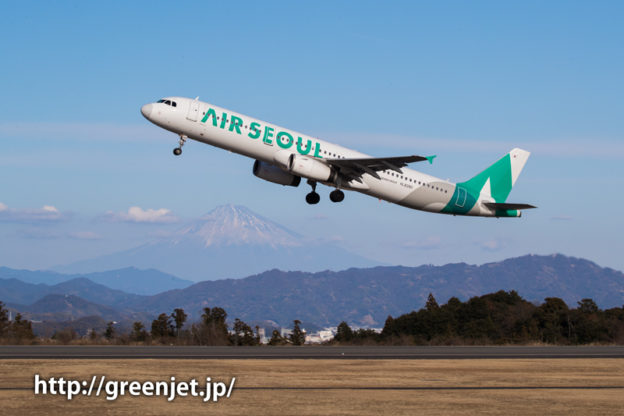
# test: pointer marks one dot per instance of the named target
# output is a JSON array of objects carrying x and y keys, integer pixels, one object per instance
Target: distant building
[
  {"x": 262, "y": 336},
  {"x": 324, "y": 335}
]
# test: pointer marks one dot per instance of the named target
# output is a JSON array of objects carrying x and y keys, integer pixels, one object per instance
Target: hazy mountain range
[
  {"x": 229, "y": 242},
  {"x": 129, "y": 279},
  {"x": 360, "y": 296}
]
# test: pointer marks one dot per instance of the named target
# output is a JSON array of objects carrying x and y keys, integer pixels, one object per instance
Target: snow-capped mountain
[
  {"x": 229, "y": 242},
  {"x": 236, "y": 225}
]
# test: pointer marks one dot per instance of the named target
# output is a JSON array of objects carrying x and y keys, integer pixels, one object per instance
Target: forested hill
[
  {"x": 362, "y": 297},
  {"x": 367, "y": 296}
]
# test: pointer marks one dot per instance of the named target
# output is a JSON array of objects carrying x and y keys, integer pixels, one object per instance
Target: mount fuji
[{"x": 231, "y": 241}]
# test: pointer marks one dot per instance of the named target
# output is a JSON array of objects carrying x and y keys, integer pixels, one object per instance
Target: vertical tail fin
[
  {"x": 498, "y": 179},
  {"x": 518, "y": 158}
]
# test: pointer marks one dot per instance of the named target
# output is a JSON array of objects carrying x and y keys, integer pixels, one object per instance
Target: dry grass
[{"x": 327, "y": 374}]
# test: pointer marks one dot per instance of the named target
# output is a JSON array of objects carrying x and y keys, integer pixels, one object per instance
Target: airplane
[{"x": 284, "y": 157}]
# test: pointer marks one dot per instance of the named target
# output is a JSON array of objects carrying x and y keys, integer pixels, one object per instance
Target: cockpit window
[{"x": 168, "y": 102}]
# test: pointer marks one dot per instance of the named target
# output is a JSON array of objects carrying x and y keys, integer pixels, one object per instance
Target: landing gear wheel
[
  {"x": 313, "y": 198},
  {"x": 178, "y": 150},
  {"x": 336, "y": 196}
]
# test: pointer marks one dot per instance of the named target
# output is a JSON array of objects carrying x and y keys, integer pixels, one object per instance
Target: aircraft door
[
  {"x": 461, "y": 197},
  {"x": 193, "y": 110}
]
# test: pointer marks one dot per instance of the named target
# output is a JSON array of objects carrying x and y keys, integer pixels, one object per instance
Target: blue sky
[{"x": 467, "y": 81}]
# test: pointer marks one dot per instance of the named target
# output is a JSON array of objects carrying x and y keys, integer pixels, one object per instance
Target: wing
[{"x": 355, "y": 168}]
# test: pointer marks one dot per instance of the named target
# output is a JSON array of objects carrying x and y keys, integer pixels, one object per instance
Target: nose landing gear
[
  {"x": 336, "y": 196},
  {"x": 312, "y": 198},
  {"x": 178, "y": 150}
]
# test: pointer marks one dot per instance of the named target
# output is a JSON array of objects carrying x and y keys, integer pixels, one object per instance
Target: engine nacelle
[
  {"x": 274, "y": 174},
  {"x": 310, "y": 168}
]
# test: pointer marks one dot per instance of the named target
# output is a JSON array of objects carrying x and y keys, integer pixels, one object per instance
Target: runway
[{"x": 306, "y": 352}]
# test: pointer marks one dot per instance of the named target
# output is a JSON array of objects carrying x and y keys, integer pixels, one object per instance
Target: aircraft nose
[{"x": 146, "y": 110}]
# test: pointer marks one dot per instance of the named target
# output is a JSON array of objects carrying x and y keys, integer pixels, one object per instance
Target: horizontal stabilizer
[{"x": 507, "y": 206}]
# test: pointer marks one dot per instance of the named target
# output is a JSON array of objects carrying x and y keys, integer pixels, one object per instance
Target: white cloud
[
  {"x": 140, "y": 215},
  {"x": 47, "y": 213}
]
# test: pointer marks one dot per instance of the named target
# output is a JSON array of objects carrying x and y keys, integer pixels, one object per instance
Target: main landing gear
[
  {"x": 314, "y": 198},
  {"x": 336, "y": 196},
  {"x": 178, "y": 150}
]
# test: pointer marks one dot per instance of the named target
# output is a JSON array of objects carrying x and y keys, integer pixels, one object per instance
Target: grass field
[{"x": 344, "y": 387}]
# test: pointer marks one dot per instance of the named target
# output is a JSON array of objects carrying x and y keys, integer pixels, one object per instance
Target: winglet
[{"x": 430, "y": 158}]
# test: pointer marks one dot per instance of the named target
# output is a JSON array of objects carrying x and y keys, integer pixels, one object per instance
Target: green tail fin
[{"x": 501, "y": 176}]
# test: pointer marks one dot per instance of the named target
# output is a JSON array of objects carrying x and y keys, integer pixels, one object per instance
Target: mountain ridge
[
  {"x": 129, "y": 279},
  {"x": 366, "y": 296}
]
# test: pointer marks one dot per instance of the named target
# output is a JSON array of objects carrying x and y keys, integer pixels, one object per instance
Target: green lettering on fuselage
[
  {"x": 283, "y": 138},
  {"x": 268, "y": 132},
  {"x": 235, "y": 123},
  {"x": 289, "y": 140},
  {"x": 209, "y": 113},
  {"x": 308, "y": 146},
  {"x": 317, "y": 150},
  {"x": 254, "y": 132}
]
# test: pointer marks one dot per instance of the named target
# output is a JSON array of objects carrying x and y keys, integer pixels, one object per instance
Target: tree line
[
  {"x": 17, "y": 331},
  {"x": 166, "y": 329},
  {"x": 496, "y": 318}
]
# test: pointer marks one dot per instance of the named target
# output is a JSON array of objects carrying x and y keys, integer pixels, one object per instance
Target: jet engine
[
  {"x": 310, "y": 168},
  {"x": 274, "y": 174}
]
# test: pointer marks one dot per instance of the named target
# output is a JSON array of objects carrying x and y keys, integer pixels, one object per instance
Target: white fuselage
[{"x": 263, "y": 141}]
